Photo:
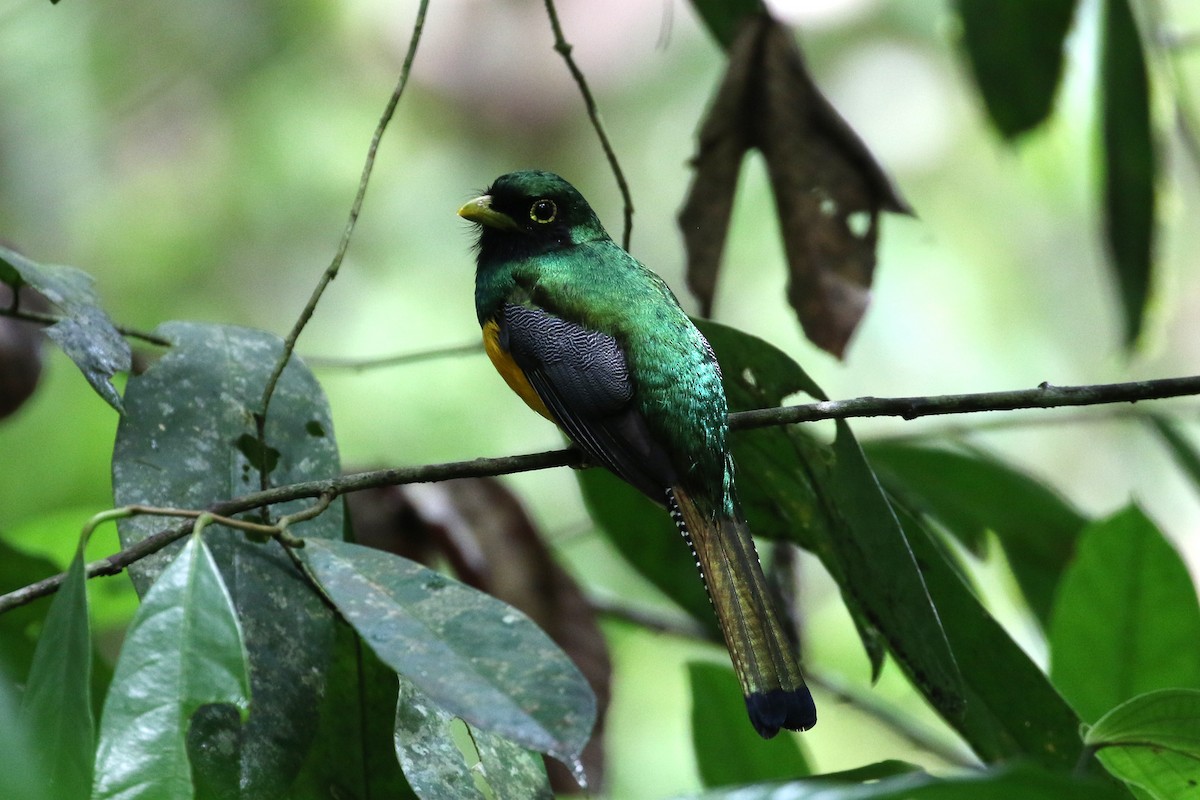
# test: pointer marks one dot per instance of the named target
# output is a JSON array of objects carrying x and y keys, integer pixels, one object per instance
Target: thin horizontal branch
[
  {"x": 47, "y": 320},
  {"x": 316, "y": 362},
  {"x": 360, "y": 364},
  {"x": 332, "y": 488},
  {"x": 1044, "y": 396}
]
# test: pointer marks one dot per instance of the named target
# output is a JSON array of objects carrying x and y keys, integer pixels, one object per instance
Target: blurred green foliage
[{"x": 198, "y": 160}]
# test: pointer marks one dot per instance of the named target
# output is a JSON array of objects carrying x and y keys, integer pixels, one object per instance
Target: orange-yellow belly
[{"x": 508, "y": 369}]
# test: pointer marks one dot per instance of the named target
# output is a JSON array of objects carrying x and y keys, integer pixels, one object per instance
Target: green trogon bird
[{"x": 597, "y": 343}]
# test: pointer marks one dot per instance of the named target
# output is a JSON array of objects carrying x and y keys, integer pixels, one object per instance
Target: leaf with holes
[
  {"x": 443, "y": 759},
  {"x": 181, "y": 443},
  {"x": 474, "y": 656},
  {"x": 829, "y": 192}
]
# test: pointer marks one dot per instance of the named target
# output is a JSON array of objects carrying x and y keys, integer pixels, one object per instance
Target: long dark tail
[{"x": 776, "y": 696}]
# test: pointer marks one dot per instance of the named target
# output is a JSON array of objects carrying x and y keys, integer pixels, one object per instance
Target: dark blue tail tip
[{"x": 781, "y": 708}]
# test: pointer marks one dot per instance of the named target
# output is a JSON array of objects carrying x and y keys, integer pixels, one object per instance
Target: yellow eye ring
[{"x": 543, "y": 211}]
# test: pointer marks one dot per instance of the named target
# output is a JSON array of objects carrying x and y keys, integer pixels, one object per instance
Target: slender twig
[
  {"x": 563, "y": 48},
  {"x": 289, "y": 344},
  {"x": 51, "y": 319},
  {"x": 332, "y": 488},
  {"x": 360, "y": 364},
  {"x": 315, "y": 510},
  {"x": 319, "y": 362},
  {"x": 962, "y": 431},
  {"x": 655, "y": 621},
  {"x": 1044, "y": 396},
  {"x": 187, "y": 513}
]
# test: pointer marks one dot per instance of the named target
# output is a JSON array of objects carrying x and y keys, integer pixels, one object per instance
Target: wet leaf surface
[
  {"x": 476, "y": 657},
  {"x": 178, "y": 445},
  {"x": 445, "y": 761},
  {"x": 85, "y": 333},
  {"x": 481, "y": 529},
  {"x": 183, "y": 650}
]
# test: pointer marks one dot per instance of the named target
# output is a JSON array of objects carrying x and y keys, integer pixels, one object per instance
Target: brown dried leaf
[
  {"x": 481, "y": 530},
  {"x": 828, "y": 189},
  {"x": 20, "y": 350}
]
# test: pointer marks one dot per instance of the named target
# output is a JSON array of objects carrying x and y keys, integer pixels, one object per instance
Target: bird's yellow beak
[{"x": 480, "y": 211}]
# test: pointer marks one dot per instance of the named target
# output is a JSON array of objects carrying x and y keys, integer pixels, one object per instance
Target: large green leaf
[
  {"x": 1130, "y": 161},
  {"x": 188, "y": 440},
  {"x": 57, "y": 706},
  {"x": 1153, "y": 742},
  {"x": 1016, "y": 54},
  {"x": 85, "y": 333},
  {"x": 1012, "y": 711},
  {"x": 1011, "y": 783},
  {"x": 442, "y": 766},
  {"x": 828, "y": 500},
  {"x": 881, "y": 567},
  {"x": 1127, "y": 619},
  {"x": 971, "y": 493},
  {"x": 476, "y": 657},
  {"x": 183, "y": 650},
  {"x": 728, "y": 751}
]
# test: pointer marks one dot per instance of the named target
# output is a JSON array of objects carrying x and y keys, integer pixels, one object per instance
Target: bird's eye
[{"x": 543, "y": 211}]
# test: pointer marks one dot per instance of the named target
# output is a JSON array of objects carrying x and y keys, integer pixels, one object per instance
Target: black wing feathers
[{"x": 583, "y": 378}]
